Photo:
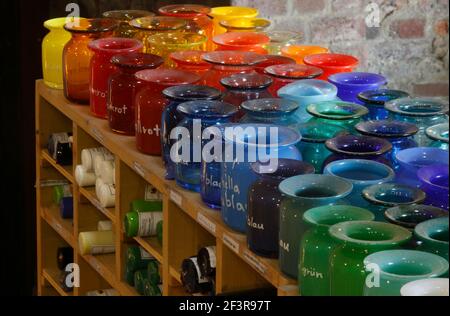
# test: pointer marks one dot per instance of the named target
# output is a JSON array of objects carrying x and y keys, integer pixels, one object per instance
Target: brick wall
[{"x": 410, "y": 46}]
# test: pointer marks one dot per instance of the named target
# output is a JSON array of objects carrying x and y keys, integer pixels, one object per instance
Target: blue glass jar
[
  {"x": 400, "y": 134},
  {"x": 246, "y": 144},
  {"x": 306, "y": 92},
  {"x": 438, "y": 134},
  {"x": 422, "y": 112},
  {"x": 375, "y": 100},
  {"x": 270, "y": 111},
  {"x": 312, "y": 144},
  {"x": 351, "y": 84},
  {"x": 198, "y": 116},
  {"x": 171, "y": 117}
]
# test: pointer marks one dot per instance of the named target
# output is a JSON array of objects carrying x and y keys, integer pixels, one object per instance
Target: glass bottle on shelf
[{"x": 124, "y": 17}]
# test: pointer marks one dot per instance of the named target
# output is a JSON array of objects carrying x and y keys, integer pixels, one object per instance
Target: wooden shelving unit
[{"x": 188, "y": 223}]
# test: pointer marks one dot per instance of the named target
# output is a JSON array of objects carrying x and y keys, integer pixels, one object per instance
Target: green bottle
[
  {"x": 152, "y": 289},
  {"x": 153, "y": 272},
  {"x": 159, "y": 232},
  {"x": 146, "y": 206},
  {"x": 137, "y": 258},
  {"x": 129, "y": 276},
  {"x": 60, "y": 192},
  {"x": 140, "y": 277},
  {"x": 142, "y": 224}
]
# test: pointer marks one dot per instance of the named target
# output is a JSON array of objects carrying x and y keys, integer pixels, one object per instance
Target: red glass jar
[
  {"x": 272, "y": 60},
  {"x": 242, "y": 41},
  {"x": 283, "y": 75},
  {"x": 150, "y": 103},
  {"x": 332, "y": 63},
  {"x": 102, "y": 68},
  {"x": 77, "y": 56},
  {"x": 197, "y": 15},
  {"x": 122, "y": 88},
  {"x": 191, "y": 61},
  {"x": 227, "y": 63}
]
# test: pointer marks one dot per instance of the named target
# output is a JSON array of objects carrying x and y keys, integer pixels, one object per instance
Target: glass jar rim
[
  {"x": 294, "y": 71},
  {"x": 404, "y": 105},
  {"x": 226, "y": 11},
  {"x": 387, "y": 129},
  {"x": 233, "y": 58},
  {"x": 167, "y": 77},
  {"x": 351, "y": 79},
  {"x": 422, "y": 229},
  {"x": 190, "y": 58},
  {"x": 372, "y": 96},
  {"x": 56, "y": 23},
  {"x": 320, "y": 110},
  {"x": 299, "y": 50},
  {"x": 90, "y": 26},
  {"x": 283, "y": 36},
  {"x": 137, "y": 61},
  {"x": 438, "y": 132},
  {"x": 384, "y": 172},
  {"x": 253, "y": 81},
  {"x": 158, "y": 23},
  {"x": 290, "y": 137},
  {"x": 185, "y": 10},
  {"x": 272, "y": 60},
  {"x": 241, "y": 39},
  {"x": 425, "y": 174},
  {"x": 207, "y": 109},
  {"x": 308, "y": 89},
  {"x": 394, "y": 214},
  {"x": 300, "y": 167},
  {"x": 327, "y": 216},
  {"x": 332, "y": 61},
  {"x": 320, "y": 127},
  {"x": 370, "y": 194},
  {"x": 115, "y": 45},
  {"x": 192, "y": 93},
  {"x": 334, "y": 146},
  {"x": 253, "y": 23},
  {"x": 270, "y": 106},
  {"x": 171, "y": 40},
  {"x": 405, "y": 156},
  {"x": 126, "y": 15}
]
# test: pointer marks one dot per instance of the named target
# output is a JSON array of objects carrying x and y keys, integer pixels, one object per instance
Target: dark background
[{"x": 22, "y": 32}]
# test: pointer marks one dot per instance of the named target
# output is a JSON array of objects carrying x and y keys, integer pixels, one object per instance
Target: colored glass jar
[
  {"x": 400, "y": 134},
  {"x": 306, "y": 92},
  {"x": 150, "y": 104},
  {"x": 148, "y": 26},
  {"x": 210, "y": 113},
  {"x": 52, "y": 52},
  {"x": 399, "y": 267},
  {"x": 171, "y": 117},
  {"x": 242, "y": 41},
  {"x": 387, "y": 195},
  {"x": 362, "y": 174},
  {"x": 299, "y": 52},
  {"x": 77, "y": 56},
  {"x": 351, "y": 84},
  {"x": 357, "y": 240},
  {"x": 300, "y": 194},
  {"x": 244, "y": 87},
  {"x": 281, "y": 39},
  {"x": 427, "y": 287},
  {"x": 102, "y": 69},
  {"x": 270, "y": 111},
  {"x": 272, "y": 60},
  {"x": 438, "y": 135},
  {"x": 198, "y": 17},
  {"x": 413, "y": 159},
  {"x": 375, "y": 101},
  {"x": 122, "y": 88},
  {"x": 220, "y": 14},
  {"x": 434, "y": 181},
  {"x": 358, "y": 147},
  {"x": 340, "y": 113},
  {"x": 264, "y": 200},
  {"x": 245, "y": 25},
  {"x": 422, "y": 112},
  {"x": 332, "y": 63},
  {"x": 434, "y": 236},
  {"x": 312, "y": 145},
  {"x": 124, "y": 17},
  {"x": 317, "y": 245},
  {"x": 191, "y": 61},
  {"x": 227, "y": 63},
  {"x": 283, "y": 75},
  {"x": 252, "y": 143}
]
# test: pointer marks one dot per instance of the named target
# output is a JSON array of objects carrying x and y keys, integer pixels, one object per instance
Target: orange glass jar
[
  {"x": 191, "y": 61},
  {"x": 282, "y": 75},
  {"x": 124, "y": 17},
  {"x": 148, "y": 26},
  {"x": 77, "y": 56},
  {"x": 299, "y": 52},
  {"x": 242, "y": 41},
  {"x": 332, "y": 63},
  {"x": 198, "y": 17}
]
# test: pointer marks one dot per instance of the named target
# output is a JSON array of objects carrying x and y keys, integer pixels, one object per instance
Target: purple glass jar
[
  {"x": 375, "y": 100},
  {"x": 434, "y": 181},
  {"x": 351, "y": 84}
]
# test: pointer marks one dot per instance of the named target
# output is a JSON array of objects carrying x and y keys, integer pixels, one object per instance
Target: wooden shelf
[
  {"x": 89, "y": 194},
  {"x": 152, "y": 246},
  {"x": 52, "y": 277},
  {"x": 66, "y": 171},
  {"x": 105, "y": 265},
  {"x": 63, "y": 227}
]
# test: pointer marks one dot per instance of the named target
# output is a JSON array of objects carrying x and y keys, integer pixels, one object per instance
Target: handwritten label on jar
[
  {"x": 231, "y": 243},
  {"x": 232, "y": 195},
  {"x": 176, "y": 198},
  {"x": 250, "y": 257},
  {"x": 206, "y": 223}
]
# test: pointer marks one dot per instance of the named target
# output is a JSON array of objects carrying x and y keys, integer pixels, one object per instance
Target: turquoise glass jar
[
  {"x": 434, "y": 236},
  {"x": 438, "y": 134},
  {"x": 394, "y": 268},
  {"x": 302, "y": 193},
  {"x": 270, "y": 111},
  {"x": 357, "y": 240},
  {"x": 375, "y": 101},
  {"x": 317, "y": 244}
]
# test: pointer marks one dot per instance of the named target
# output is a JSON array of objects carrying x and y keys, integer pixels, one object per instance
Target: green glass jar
[
  {"x": 392, "y": 269},
  {"x": 146, "y": 206},
  {"x": 152, "y": 289},
  {"x": 140, "y": 277},
  {"x": 317, "y": 244},
  {"x": 434, "y": 236},
  {"x": 153, "y": 272},
  {"x": 357, "y": 240},
  {"x": 137, "y": 258}
]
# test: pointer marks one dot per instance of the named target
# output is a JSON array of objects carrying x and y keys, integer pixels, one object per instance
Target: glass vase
[
  {"x": 438, "y": 134},
  {"x": 434, "y": 181},
  {"x": 150, "y": 104},
  {"x": 357, "y": 240},
  {"x": 242, "y": 41},
  {"x": 171, "y": 117},
  {"x": 220, "y": 14},
  {"x": 270, "y": 111},
  {"x": 280, "y": 39},
  {"x": 299, "y": 52},
  {"x": 124, "y": 17},
  {"x": 433, "y": 235},
  {"x": 300, "y": 194},
  {"x": 375, "y": 101},
  {"x": 264, "y": 200},
  {"x": 245, "y": 25},
  {"x": 191, "y": 61},
  {"x": 250, "y": 143},
  {"x": 317, "y": 245},
  {"x": 102, "y": 69},
  {"x": 52, "y": 52},
  {"x": 272, "y": 60},
  {"x": 122, "y": 89},
  {"x": 351, "y": 84},
  {"x": 332, "y": 63},
  {"x": 399, "y": 267},
  {"x": 426, "y": 287},
  {"x": 77, "y": 56},
  {"x": 386, "y": 195},
  {"x": 282, "y": 75}
]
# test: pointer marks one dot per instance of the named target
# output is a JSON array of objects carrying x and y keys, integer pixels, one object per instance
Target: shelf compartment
[
  {"x": 89, "y": 194},
  {"x": 52, "y": 277},
  {"x": 152, "y": 246},
  {"x": 90, "y": 278},
  {"x": 104, "y": 265},
  {"x": 63, "y": 227},
  {"x": 66, "y": 171}
]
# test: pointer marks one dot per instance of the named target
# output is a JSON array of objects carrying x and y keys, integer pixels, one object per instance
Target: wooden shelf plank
[
  {"x": 152, "y": 246},
  {"x": 66, "y": 171},
  {"x": 63, "y": 227},
  {"x": 175, "y": 273},
  {"x": 105, "y": 265},
  {"x": 52, "y": 278},
  {"x": 89, "y": 194}
]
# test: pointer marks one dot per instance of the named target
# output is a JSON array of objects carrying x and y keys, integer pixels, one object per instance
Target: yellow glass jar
[
  {"x": 52, "y": 52},
  {"x": 124, "y": 17},
  {"x": 220, "y": 14},
  {"x": 164, "y": 44},
  {"x": 245, "y": 25}
]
